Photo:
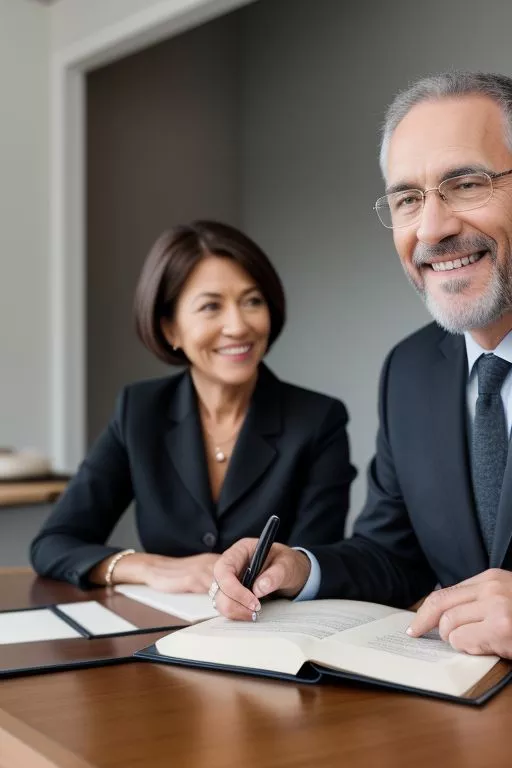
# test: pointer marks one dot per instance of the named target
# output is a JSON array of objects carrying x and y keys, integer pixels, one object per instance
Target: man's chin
[{"x": 459, "y": 314}]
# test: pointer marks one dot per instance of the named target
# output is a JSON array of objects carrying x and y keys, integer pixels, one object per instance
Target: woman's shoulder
[
  {"x": 150, "y": 395},
  {"x": 149, "y": 388}
]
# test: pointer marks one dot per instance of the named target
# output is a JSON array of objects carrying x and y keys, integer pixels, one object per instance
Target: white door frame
[{"x": 67, "y": 270}]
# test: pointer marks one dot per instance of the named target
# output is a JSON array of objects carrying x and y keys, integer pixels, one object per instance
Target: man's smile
[{"x": 458, "y": 263}]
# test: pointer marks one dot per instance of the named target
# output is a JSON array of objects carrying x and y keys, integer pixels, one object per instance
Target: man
[{"x": 439, "y": 505}]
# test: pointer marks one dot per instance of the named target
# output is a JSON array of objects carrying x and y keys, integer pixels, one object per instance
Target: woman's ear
[{"x": 169, "y": 332}]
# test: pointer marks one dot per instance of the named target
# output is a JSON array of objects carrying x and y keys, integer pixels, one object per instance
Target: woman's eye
[
  {"x": 255, "y": 301},
  {"x": 212, "y": 306}
]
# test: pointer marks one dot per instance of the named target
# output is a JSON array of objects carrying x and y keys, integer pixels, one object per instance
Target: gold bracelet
[{"x": 113, "y": 563}]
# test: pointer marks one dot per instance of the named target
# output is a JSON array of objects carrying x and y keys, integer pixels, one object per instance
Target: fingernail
[
  {"x": 409, "y": 631},
  {"x": 254, "y": 616},
  {"x": 255, "y": 606}
]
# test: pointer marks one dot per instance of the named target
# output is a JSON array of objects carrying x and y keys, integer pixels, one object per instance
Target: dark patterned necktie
[{"x": 490, "y": 443}]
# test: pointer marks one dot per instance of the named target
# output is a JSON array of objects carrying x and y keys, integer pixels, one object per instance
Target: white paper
[
  {"x": 96, "y": 619},
  {"x": 29, "y": 626},
  {"x": 186, "y": 606}
]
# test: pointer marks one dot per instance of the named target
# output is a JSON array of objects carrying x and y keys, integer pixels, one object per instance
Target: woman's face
[{"x": 222, "y": 321}]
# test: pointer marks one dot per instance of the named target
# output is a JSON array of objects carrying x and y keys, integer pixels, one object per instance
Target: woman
[{"x": 210, "y": 453}]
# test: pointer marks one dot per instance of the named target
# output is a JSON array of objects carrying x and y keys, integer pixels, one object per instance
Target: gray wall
[
  {"x": 163, "y": 144},
  {"x": 319, "y": 74}
]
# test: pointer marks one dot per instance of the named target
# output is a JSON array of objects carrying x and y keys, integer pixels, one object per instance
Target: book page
[
  {"x": 186, "y": 606},
  {"x": 33, "y": 625},
  {"x": 384, "y": 651},
  {"x": 281, "y": 640}
]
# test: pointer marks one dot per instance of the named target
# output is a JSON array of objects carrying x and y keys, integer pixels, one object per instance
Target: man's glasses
[{"x": 460, "y": 193}]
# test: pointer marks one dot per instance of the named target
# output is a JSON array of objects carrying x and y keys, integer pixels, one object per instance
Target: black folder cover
[{"x": 311, "y": 673}]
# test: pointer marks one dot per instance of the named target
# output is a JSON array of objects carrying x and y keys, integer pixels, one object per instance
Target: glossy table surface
[{"x": 141, "y": 714}]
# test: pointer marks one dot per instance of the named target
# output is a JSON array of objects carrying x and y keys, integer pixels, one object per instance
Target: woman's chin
[{"x": 236, "y": 374}]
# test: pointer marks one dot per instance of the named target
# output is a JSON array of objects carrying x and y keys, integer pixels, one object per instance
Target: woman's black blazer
[{"x": 291, "y": 459}]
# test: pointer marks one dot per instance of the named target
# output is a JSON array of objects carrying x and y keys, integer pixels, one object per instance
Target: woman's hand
[{"x": 166, "y": 574}]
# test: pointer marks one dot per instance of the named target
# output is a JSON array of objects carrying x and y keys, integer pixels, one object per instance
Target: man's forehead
[{"x": 452, "y": 131}]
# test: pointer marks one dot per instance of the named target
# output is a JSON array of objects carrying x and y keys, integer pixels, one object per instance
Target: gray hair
[{"x": 445, "y": 85}]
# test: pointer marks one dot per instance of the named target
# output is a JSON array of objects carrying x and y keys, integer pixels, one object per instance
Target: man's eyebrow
[
  {"x": 463, "y": 170},
  {"x": 401, "y": 186}
]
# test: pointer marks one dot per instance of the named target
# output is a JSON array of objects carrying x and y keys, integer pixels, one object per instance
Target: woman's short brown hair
[{"x": 170, "y": 263}]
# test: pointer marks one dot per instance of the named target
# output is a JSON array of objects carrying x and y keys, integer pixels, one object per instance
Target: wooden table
[{"x": 146, "y": 715}]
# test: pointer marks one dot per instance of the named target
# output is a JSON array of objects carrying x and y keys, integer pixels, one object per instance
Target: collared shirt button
[{"x": 209, "y": 539}]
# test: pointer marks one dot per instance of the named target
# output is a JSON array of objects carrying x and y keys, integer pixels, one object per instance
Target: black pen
[{"x": 265, "y": 541}]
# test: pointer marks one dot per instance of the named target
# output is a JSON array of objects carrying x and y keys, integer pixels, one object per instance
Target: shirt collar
[{"x": 474, "y": 350}]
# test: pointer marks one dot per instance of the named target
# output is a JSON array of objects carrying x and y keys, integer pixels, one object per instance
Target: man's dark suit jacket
[
  {"x": 419, "y": 525},
  {"x": 291, "y": 459}
]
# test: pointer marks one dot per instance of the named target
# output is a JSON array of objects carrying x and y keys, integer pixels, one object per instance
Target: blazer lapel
[
  {"x": 254, "y": 451},
  {"x": 185, "y": 443},
  {"x": 503, "y": 532},
  {"x": 449, "y": 432}
]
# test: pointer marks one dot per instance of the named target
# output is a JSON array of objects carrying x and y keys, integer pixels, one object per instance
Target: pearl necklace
[{"x": 218, "y": 453}]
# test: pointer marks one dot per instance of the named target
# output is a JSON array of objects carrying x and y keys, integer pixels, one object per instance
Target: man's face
[{"x": 434, "y": 141}]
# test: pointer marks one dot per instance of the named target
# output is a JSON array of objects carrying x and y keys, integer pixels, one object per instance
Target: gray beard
[{"x": 462, "y": 315}]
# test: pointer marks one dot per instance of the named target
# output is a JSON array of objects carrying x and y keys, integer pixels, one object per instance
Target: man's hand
[
  {"x": 286, "y": 571},
  {"x": 474, "y": 616}
]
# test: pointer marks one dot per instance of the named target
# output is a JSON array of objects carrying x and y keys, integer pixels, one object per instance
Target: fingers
[
  {"x": 437, "y": 603},
  {"x": 233, "y": 600},
  {"x": 475, "y": 616},
  {"x": 472, "y": 638},
  {"x": 185, "y": 574},
  {"x": 286, "y": 572},
  {"x": 466, "y": 613},
  {"x": 180, "y": 582}
]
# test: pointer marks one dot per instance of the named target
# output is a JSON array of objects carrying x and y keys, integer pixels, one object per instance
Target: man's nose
[{"x": 437, "y": 220}]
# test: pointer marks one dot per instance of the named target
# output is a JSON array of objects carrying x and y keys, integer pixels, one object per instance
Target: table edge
[{"x": 20, "y": 744}]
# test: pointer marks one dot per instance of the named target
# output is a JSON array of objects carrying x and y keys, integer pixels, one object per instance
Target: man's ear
[{"x": 170, "y": 333}]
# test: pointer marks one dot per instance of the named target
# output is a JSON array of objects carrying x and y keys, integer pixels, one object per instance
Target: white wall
[
  {"x": 319, "y": 75},
  {"x": 75, "y": 23},
  {"x": 24, "y": 183}
]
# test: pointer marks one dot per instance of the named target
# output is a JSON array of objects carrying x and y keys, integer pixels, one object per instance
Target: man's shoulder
[{"x": 420, "y": 344}]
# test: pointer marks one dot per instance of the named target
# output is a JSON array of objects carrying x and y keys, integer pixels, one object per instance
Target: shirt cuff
[{"x": 310, "y": 589}]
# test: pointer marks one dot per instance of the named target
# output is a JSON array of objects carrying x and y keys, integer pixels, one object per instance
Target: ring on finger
[{"x": 214, "y": 588}]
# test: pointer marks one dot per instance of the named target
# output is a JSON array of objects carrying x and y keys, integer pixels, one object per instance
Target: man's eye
[
  {"x": 406, "y": 201},
  {"x": 467, "y": 186}
]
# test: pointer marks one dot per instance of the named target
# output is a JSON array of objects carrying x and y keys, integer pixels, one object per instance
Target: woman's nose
[{"x": 234, "y": 322}]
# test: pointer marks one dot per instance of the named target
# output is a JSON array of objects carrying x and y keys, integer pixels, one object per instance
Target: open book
[{"x": 308, "y": 640}]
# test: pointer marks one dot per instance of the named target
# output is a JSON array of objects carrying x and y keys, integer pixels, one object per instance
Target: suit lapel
[
  {"x": 503, "y": 532},
  {"x": 254, "y": 451},
  {"x": 449, "y": 445},
  {"x": 185, "y": 443}
]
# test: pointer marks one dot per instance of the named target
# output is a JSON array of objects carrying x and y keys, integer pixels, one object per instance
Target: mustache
[{"x": 453, "y": 247}]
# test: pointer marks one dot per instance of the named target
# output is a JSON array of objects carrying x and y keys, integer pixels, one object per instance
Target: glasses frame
[{"x": 491, "y": 176}]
